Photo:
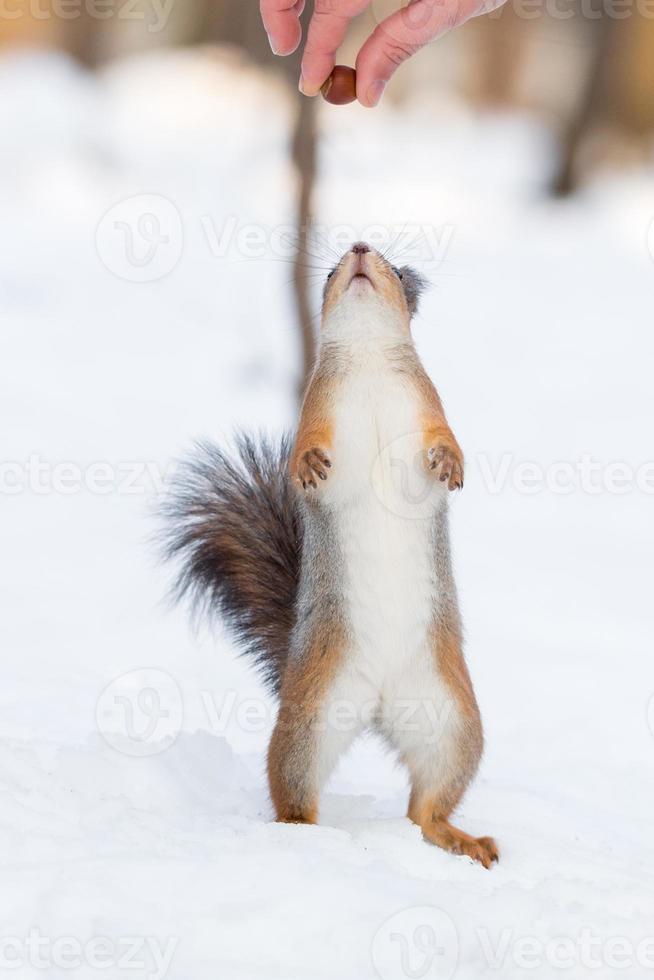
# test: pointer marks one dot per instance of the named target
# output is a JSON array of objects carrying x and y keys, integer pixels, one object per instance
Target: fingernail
[
  {"x": 375, "y": 92},
  {"x": 309, "y": 92},
  {"x": 273, "y": 46}
]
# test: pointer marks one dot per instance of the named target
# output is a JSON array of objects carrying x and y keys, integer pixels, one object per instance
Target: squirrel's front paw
[
  {"x": 313, "y": 463},
  {"x": 447, "y": 465}
]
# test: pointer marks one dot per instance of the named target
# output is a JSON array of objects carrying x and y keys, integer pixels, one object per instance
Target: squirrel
[{"x": 328, "y": 555}]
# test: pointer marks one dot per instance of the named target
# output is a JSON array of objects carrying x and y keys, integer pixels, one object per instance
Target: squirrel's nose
[{"x": 360, "y": 248}]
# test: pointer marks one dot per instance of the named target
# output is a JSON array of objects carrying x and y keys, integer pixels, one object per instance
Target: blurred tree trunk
[
  {"x": 234, "y": 22},
  {"x": 82, "y": 38},
  {"x": 304, "y": 154},
  {"x": 593, "y": 98},
  {"x": 304, "y": 157},
  {"x": 501, "y": 39},
  {"x": 635, "y": 94}
]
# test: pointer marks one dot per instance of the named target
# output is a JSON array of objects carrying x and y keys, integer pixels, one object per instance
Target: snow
[{"x": 135, "y": 826}]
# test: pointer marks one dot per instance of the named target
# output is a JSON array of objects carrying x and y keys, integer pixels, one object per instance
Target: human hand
[{"x": 395, "y": 39}]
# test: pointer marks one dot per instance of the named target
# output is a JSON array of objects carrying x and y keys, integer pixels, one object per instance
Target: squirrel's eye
[
  {"x": 330, "y": 274},
  {"x": 397, "y": 272}
]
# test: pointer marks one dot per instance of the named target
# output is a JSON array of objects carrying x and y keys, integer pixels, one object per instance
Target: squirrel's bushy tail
[{"x": 235, "y": 528}]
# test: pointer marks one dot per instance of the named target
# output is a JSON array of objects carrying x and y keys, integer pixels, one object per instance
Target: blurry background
[
  {"x": 157, "y": 168},
  {"x": 586, "y": 67},
  {"x": 583, "y": 69}
]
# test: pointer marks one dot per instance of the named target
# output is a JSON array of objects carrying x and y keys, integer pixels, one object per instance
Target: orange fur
[
  {"x": 425, "y": 811},
  {"x": 294, "y": 753},
  {"x": 443, "y": 453},
  {"x": 294, "y": 746},
  {"x": 429, "y": 809},
  {"x": 315, "y": 429},
  {"x": 381, "y": 276}
]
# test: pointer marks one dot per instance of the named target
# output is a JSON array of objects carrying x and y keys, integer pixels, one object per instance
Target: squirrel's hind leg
[
  {"x": 427, "y": 811},
  {"x": 442, "y": 757},
  {"x": 309, "y": 737}
]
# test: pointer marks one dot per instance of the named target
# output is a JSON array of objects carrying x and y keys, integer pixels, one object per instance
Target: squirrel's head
[{"x": 365, "y": 293}]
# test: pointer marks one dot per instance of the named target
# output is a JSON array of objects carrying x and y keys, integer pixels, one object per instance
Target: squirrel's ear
[{"x": 414, "y": 285}]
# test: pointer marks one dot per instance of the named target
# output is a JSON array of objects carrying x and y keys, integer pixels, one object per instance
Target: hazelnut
[{"x": 341, "y": 86}]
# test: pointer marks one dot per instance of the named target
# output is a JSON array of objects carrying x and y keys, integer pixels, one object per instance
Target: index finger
[
  {"x": 327, "y": 30},
  {"x": 401, "y": 35},
  {"x": 281, "y": 19}
]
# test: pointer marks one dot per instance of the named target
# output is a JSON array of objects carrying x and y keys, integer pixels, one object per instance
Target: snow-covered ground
[{"x": 145, "y": 302}]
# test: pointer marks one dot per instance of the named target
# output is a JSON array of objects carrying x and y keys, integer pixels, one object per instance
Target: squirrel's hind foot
[{"x": 481, "y": 849}]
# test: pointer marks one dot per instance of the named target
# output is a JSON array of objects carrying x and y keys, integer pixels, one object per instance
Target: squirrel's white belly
[{"x": 383, "y": 502}]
